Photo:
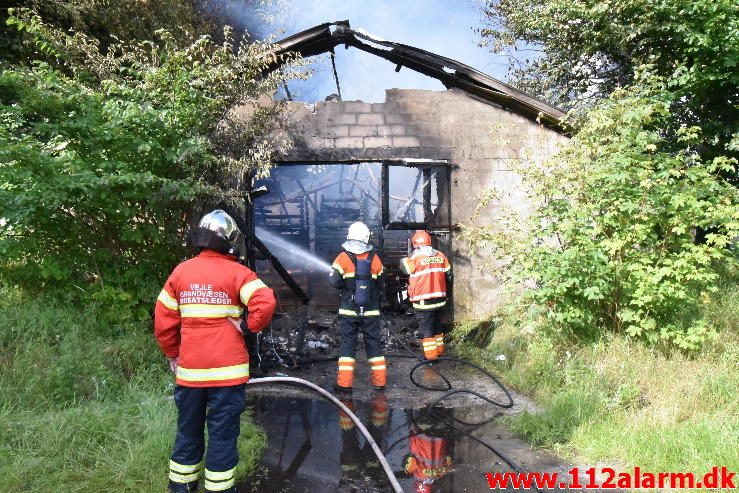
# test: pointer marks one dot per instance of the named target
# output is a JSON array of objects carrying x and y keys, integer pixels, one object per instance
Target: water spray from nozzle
[{"x": 291, "y": 254}]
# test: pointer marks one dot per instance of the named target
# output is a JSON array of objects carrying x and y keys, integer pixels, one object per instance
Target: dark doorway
[{"x": 305, "y": 216}]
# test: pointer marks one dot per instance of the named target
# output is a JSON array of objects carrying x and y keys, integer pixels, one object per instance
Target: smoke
[
  {"x": 255, "y": 19},
  {"x": 445, "y": 27},
  {"x": 290, "y": 254}
]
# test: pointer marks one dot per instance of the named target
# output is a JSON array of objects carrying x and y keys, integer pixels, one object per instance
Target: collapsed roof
[{"x": 325, "y": 37}]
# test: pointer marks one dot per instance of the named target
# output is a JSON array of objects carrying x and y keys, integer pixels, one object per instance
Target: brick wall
[{"x": 478, "y": 138}]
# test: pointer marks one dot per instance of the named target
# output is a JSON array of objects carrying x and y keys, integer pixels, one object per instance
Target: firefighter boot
[
  {"x": 345, "y": 422},
  {"x": 379, "y": 372},
  {"x": 439, "y": 343},
  {"x": 379, "y": 410},
  {"x": 179, "y": 487},
  {"x": 430, "y": 350},
  {"x": 345, "y": 375}
]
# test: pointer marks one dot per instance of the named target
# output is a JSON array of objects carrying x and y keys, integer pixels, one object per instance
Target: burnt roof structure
[{"x": 325, "y": 37}]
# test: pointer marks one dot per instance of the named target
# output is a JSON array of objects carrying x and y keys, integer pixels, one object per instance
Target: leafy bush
[
  {"x": 620, "y": 400},
  {"x": 611, "y": 243},
  {"x": 103, "y": 157}
]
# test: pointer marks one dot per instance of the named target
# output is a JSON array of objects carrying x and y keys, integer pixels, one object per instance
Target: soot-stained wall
[{"x": 480, "y": 140}]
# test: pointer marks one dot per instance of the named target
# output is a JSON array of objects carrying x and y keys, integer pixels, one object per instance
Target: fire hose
[
  {"x": 423, "y": 363},
  {"x": 448, "y": 392},
  {"x": 375, "y": 448}
]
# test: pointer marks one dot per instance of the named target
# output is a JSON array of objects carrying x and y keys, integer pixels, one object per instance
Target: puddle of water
[{"x": 313, "y": 448}]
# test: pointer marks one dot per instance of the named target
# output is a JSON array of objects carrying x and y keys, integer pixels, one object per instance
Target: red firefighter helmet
[
  {"x": 421, "y": 238},
  {"x": 422, "y": 487}
]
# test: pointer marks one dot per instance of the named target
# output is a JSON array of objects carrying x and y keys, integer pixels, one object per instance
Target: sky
[{"x": 445, "y": 27}]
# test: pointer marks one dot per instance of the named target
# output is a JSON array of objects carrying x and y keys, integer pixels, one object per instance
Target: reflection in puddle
[{"x": 313, "y": 447}]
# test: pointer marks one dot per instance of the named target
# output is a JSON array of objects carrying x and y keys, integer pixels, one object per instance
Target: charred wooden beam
[
  {"x": 255, "y": 243},
  {"x": 284, "y": 274}
]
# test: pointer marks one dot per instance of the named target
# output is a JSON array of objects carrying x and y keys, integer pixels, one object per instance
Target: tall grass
[
  {"x": 85, "y": 400},
  {"x": 620, "y": 401}
]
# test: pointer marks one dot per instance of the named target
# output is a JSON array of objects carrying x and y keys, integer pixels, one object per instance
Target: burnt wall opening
[{"x": 310, "y": 205}]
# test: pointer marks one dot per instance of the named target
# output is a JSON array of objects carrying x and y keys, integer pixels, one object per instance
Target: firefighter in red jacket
[
  {"x": 430, "y": 458},
  {"x": 357, "y": 273},
  {"x": 428, "y": 271},
  {"x": 198, "y": 325}
]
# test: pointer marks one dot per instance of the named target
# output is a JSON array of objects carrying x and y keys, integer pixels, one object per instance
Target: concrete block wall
[{"x": 480, "y": 140}]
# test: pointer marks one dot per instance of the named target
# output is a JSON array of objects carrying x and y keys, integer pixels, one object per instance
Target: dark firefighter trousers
[
  {"x": 220, "y": 408},
  {"x": 350, "y": 328},
  {"x": 429, "y": 322}
]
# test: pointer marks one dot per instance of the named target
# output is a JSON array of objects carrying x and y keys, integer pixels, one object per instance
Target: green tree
[
  {"x": 112, "y": 21},
  {"x": 104, "y": 156},
  {"x": 107, "y": 21},
  {"x": 585, "y": 49},
  {"x": 610, "y": 244},
  {"x": 636, "y": 214}
]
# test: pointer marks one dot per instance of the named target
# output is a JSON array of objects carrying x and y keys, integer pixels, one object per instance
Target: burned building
[{"x": 418, "y": 160}]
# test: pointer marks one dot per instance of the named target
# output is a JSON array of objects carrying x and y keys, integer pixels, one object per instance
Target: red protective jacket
[
  {"x": 427, "y": 270},
  {"x": 197, "y": 315},
  {"x": 429, "y": 458}
]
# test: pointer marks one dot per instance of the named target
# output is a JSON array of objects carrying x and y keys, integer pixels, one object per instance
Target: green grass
[
  {"x": 620, "y": 401},
  {"x": 86, "y": 401}
]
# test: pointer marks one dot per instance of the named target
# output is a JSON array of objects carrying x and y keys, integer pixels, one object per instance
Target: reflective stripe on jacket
[
  {"x": 342, "y": 278},
  {"x": 197, "y": 314},
  {"x": 427, "y": 271},
  {"x": 430, "y": 454}
]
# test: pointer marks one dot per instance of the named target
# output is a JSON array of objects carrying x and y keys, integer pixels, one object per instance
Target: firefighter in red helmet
[
  {"x": 198, "y": 325},
  {"x": 431, "y": 456},
  {"x": 428, "y": 273}
]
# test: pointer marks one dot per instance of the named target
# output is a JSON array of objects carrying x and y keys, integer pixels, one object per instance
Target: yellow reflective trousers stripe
[
  {"x": 352, "y": 313},
  {"x": 219, "y": 475},
  {"x": 183, "y": 478},
  {"x": 219, "y": 480},
  {"x": 421, "y": 306},
  {"x": 181, "y": 473},
  {"x": 346, "y": 364},
  {"x": 183, "y": 469},
  {"x": 219, "y": 486},
  {"x": 208, "y": 374}
]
